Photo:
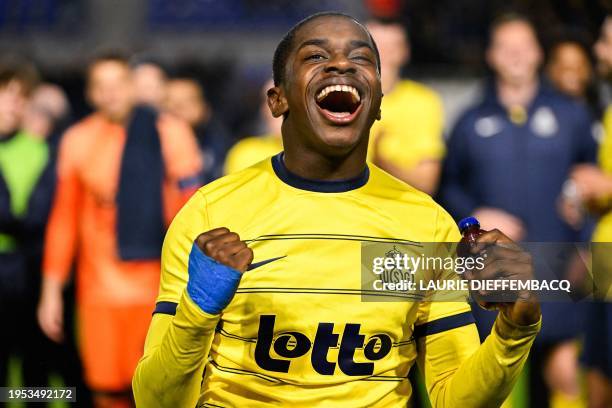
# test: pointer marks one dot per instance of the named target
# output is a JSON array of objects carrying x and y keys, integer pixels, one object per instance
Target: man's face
[
  {"x": 12, "y": 105},
  {"x": 47, "y": 105},
  {"x": 184, "y": 99},
  {"x": 570, "y": 69},
  {"x": 331, "y": 91},
  {"x": 150, "y": 84},
  {"x": 603, "y": 48},
  {"x": 514, "y": 53},
  {"x": 392, "y": 46},
  {"x": 111, "y": 89}
]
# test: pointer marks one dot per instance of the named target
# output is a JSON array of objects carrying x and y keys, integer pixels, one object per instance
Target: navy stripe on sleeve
[
  {"x": 168, "y": 308},
  {"x": 443, "y": 324}
]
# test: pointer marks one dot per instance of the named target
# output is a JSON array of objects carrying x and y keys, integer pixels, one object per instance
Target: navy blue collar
[{"x": 320, "y": 186}]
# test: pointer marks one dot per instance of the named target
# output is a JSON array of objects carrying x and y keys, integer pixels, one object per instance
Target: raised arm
[
  {"x": 458, "y": 371},
  {"x": 199, "y": 278}
]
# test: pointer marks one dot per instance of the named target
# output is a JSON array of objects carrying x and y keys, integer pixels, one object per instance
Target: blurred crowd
[{"x": 88, "y": 201}]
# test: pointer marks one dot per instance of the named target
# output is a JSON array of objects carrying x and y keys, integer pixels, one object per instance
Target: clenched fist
[
  {"x": 216, "y": 263},
  {"x": 506, "y": 260},
  {"x": 226, "y": 248}
]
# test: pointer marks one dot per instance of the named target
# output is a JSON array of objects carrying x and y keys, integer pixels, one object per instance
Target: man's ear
[{"x": 277, "y": 102}]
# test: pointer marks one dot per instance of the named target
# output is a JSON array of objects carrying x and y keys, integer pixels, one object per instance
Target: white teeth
[
  {"x": 339, "y": 88},
  {"x": 340, "y": 114}
]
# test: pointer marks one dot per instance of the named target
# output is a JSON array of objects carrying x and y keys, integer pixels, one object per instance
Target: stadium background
[{"x": 228, "y": 45}]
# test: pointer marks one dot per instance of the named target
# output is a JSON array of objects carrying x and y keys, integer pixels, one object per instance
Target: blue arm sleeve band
[{"x": 211, "y": 285}]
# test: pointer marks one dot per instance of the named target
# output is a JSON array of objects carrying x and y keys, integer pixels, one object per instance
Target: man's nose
[{"x": 339, "y": 63}]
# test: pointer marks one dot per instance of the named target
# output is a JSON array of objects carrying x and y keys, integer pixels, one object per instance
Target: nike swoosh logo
[{"x": 264, "y": 262}]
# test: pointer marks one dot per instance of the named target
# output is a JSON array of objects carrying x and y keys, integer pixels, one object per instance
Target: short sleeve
[
  {"x": 413, "y": 131},
  {"x": 241, "y": 155}
]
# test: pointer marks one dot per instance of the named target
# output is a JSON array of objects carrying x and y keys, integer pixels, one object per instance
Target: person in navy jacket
[{"x": 508, "y": 159}]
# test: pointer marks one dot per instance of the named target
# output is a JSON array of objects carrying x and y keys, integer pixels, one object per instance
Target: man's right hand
[
  {"x": 226, "y": 248},
  {"x": 216, "y": 263},
  {"x": 50, "y": 311}
]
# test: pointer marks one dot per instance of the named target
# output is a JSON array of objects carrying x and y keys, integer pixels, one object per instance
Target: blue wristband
[{"x": 211, "y": 285}]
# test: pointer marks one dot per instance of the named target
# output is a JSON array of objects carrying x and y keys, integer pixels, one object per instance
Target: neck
[
  {"x": 513, "y": 94},
  {"x": 117, "y": 118},
  {"x": 313, "y": 165}
]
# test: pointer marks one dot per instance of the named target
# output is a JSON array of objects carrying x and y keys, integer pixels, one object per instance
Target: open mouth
[{"x": 339, "y": 103}]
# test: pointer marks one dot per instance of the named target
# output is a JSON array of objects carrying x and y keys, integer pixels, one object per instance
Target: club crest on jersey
[
  {"x": 488, "y": 126},
  {"x": 544, "y": 122},
  {"x": 292, "y": 345}
]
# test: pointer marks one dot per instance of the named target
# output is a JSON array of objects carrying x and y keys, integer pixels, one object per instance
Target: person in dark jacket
[{"x": 508, "y": 159}]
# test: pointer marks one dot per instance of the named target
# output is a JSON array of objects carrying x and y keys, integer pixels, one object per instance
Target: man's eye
[
  {"x": 362, "y": 58},
  {"x": 315, "y": 57}
]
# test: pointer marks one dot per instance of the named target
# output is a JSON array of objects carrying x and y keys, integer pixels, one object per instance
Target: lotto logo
[{"x": 291, "y": 345}]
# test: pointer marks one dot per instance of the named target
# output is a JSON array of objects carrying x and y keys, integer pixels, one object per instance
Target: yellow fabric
[
  {"x": 559, "y": 400},
  {"x": 458, "y": 373},
  {"x": 251, "y": 150},
  {"x": 315, "y": 287},
  {"x": 603, "y": 231},
  {"x": 605, "y": 149},
  {"x": 411, "y": 126}
]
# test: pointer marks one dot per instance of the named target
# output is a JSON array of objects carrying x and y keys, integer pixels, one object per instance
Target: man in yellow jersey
[
  {"x": 250, "y": 150},
  {"x": 408, "y": 141},
  {"x": 260, "y": 301}
]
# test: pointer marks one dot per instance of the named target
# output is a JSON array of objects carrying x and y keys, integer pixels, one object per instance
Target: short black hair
[{"x": 285, "y": 46}]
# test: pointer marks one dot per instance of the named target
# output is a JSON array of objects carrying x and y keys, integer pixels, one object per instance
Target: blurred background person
[
  {"x": 186, "y": 100},
  {"x": 122, "y": 174},
  {"x": 46, "y": 117},
  {"x": 408, "y": 141},
  {"x": 570, "y": 69},
  {"x": 594, "y": 188},
  {"x": 508, "y": 158},
  {"x": 27, "y": 176},
  {"x": 47, "y": 112},
  {"x": 253, "y": 149},
  {"x": 150, "y": 81},
  {"x": 24, "y": 205}
]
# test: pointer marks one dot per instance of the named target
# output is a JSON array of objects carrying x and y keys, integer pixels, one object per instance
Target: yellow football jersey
[
  {"x": 603, "y": 232},
  {"x": 297, "y": 332},
  {"x": 251, "y": 150},
  {"x": 411, "y": 126}
]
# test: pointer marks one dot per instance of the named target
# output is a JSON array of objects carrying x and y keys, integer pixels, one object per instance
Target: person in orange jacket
[{"x": 123, "y": 172}]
